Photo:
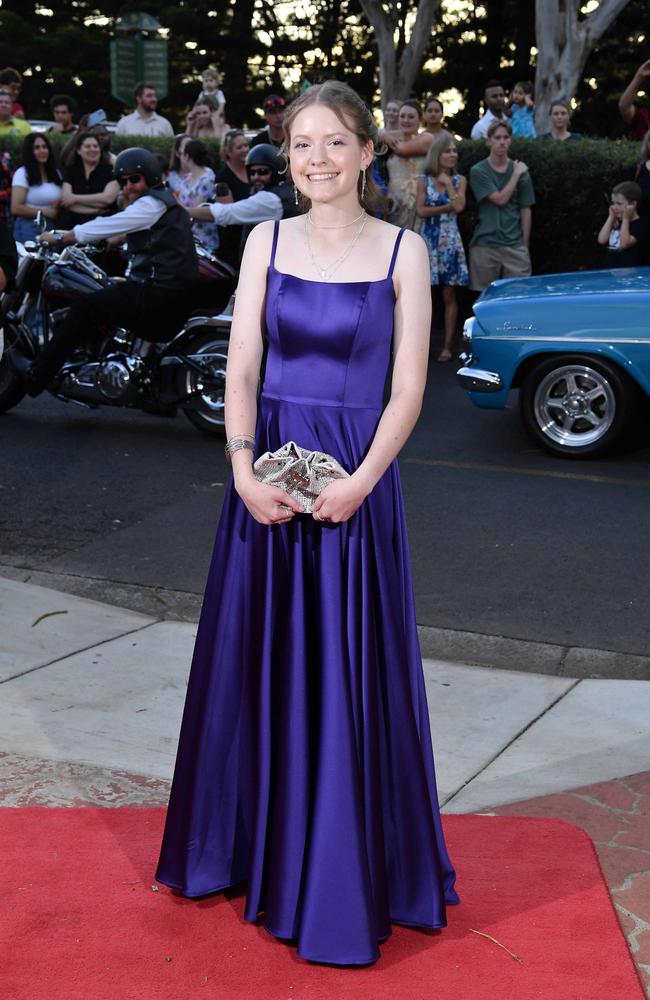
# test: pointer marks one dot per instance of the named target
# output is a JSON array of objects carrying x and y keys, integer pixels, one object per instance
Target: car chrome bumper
[{"x": 476, "y": 380}]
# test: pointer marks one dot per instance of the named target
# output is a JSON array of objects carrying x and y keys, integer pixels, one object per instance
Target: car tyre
[{"x": 576, "y": 406}]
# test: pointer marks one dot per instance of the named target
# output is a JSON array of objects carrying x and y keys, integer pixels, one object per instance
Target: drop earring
[
  {"x": 363, "y": 184},
  {"x": 295, "y": 196}
]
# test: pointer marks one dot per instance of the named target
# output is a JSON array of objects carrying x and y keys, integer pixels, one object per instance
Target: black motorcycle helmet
[
  {"x": 266, "y": 155},
  {"x": 138, "y": 161}
]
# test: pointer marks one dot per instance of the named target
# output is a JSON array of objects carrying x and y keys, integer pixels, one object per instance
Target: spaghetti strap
[
  {"x": 393, "y": 258},
  {"x": 276, "y": 230}
]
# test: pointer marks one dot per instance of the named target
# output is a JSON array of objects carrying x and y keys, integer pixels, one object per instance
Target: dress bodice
[{"x": 329, "y": 342}]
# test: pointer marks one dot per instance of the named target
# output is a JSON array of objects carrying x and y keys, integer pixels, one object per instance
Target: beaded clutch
[{"x": 301, "y": 473}]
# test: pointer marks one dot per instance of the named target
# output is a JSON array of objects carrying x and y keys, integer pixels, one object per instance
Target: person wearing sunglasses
[
  {"x": 272, "y": 195},
  {"x": 154, "y": 299}
]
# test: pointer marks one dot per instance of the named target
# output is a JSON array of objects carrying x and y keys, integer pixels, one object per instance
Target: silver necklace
[
  {"x": 344, "y": 226},
  {"x": 327, "y": 273}
]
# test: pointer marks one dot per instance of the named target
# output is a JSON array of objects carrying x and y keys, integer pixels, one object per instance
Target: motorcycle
[{"x": 119, "y": 367}]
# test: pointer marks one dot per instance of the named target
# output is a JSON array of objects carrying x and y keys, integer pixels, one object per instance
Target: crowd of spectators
[
  {"x": 416, "y": 167},
  {"x": 418, "y": 172}
]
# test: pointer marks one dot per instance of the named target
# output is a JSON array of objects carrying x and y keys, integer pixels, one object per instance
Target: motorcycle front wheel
[{"x": 207, "y": 391}]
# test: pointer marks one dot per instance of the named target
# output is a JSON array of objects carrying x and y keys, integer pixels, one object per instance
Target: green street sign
[{"x": 135, "y": 58}]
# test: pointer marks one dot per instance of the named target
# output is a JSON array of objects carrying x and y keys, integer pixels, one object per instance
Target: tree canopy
[{"x": 62, "y": 46}]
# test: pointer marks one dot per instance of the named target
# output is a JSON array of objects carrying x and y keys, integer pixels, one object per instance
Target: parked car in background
[
  {"x": 42, "y": 125},
  {"x": 576, "y": 346}
]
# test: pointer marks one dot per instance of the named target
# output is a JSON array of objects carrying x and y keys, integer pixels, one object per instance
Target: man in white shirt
[
  {"x": 144, "y": 120},
  {"x": 272, "y": 196},
  {"x": 495, "y": 104}
]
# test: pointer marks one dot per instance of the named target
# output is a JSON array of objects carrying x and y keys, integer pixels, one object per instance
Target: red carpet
[{"x": 79, "y": 919}]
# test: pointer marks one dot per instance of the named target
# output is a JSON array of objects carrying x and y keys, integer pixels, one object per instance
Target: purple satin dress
[{"x": 305, "y": 764}]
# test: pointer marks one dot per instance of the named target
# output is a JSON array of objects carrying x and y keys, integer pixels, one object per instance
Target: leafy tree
[
  {"x": 262, "y": 47},
  {"x": 400, "y": 57},
  {"x": 564, "y": 40}
]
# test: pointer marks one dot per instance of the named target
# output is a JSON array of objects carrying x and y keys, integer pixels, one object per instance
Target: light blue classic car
[{"x": 577, "y": 346}]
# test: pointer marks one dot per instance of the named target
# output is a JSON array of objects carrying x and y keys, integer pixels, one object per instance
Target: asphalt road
[{"x": 505, "y": 540}]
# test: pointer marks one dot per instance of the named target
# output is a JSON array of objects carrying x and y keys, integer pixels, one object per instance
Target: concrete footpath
[{"x": 92, "y": 695}]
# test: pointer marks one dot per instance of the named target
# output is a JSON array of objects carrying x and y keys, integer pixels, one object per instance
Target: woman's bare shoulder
[
  {"x": 387, "y": 233},
  {"x": 261, "y": 237},
  {"x": 412, "y": 254}
]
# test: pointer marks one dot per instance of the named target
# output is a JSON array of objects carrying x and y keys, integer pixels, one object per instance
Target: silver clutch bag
[{"x": 301, "y": 473}]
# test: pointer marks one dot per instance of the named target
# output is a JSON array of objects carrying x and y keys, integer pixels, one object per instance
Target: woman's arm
[
  {"x": 410, "y": 358},
  {"x": 417, "y": 146},
  {"x": 245, "y": 349},
  {"x": 626, "y": 105},
  {"x": 102, "y": 199},
  {"x": 458, "y": 203},
  {"x": 19, "y": 204},
  {"x": 425, "y": 211}
]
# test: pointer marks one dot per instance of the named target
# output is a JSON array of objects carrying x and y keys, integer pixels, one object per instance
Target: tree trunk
[
  {"x": 398, "y": 69},
  {"x": 563, "y": 44}
]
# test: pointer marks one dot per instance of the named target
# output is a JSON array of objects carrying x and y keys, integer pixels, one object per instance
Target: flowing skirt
[{"x": 305, "y": 764}]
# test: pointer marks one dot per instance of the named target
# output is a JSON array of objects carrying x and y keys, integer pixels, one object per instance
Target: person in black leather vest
[{"x": 154, "y": 300}]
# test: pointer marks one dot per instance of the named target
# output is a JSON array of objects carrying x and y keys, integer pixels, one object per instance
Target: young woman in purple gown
[{"x": 305, "y": 764}]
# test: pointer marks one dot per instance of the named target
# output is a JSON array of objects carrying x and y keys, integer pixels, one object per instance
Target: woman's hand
[
  {"x": 51, "y": 211},
  {"x": 67, "y": 199},
  {"x": 339, "y": 501},
  {"x": 392, "y": 140},
  {"x": 267, "y": 504}
]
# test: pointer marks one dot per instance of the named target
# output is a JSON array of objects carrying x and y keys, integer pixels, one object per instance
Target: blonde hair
[
  {"x": 214, "y": 73},
  {"x": 351, "y": 112},
  {"x": 440, "y": 145},
  {"x": 496, "y": 124}
]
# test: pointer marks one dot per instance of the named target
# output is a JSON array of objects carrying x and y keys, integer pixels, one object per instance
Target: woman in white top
[{"x": 36, "y": 187}]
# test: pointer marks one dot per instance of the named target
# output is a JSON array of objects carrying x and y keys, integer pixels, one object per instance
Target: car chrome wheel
[
  {"x": 574, "y": 406},
  {"x": 577, "y": 406}
]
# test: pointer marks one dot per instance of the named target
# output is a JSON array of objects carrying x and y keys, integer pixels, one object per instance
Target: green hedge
[{"x": 572, "y": 180}]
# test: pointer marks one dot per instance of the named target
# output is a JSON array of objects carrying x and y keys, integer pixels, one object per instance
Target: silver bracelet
[{"x": 238, "y": 443}]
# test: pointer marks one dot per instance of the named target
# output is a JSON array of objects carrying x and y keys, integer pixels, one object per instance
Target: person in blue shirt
[{"x": 522, "y": 110}]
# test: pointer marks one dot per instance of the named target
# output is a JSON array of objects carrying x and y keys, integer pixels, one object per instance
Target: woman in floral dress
[
  {"x": 440, "y": 197},
  {"x": 197, "y": 186}
]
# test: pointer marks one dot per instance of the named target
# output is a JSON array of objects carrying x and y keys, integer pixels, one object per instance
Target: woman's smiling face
[
  {"x": 409, "y": 120},
  {"x": 325, "y": 155},
  {"x": 238, "y": 150},
  {"x": 90, "y": 151}
]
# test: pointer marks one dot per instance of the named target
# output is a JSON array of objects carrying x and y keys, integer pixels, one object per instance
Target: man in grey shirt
[{"x": 144, "y": 120}]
